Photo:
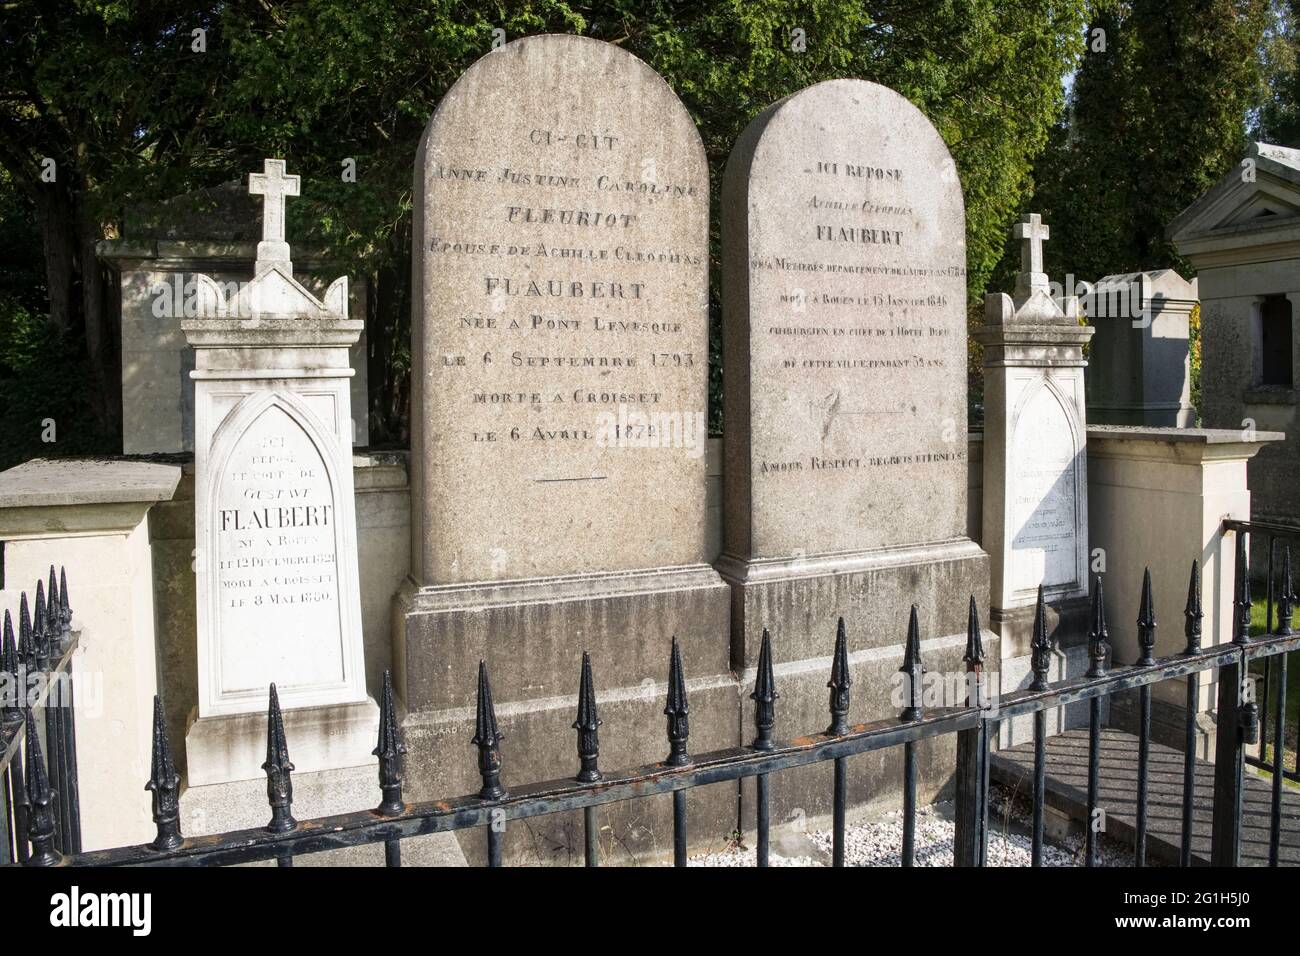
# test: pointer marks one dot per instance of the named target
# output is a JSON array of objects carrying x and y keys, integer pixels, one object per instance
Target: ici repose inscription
[{"x": 844, "y": 298}]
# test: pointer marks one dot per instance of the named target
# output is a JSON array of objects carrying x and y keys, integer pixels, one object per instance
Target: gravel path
[{"x": 879, "y": 842}]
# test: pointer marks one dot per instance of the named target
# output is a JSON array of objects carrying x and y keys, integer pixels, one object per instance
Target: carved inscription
[
  {"x": 1045, "y": 509},
  {"x": 565, "y": 354},
  {"x": 856, "y": 274},
  {"x": 277, "y": 576}
]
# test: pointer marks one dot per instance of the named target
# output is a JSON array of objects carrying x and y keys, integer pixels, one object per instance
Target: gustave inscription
[{"x": 277, "y": 572}]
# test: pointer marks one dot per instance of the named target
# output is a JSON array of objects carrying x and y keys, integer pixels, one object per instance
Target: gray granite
[
  {"x": 561, "y": 274},
  {"x": 558, "y": 448},
  {"x": 844, "y": 295},
  {"x": 845, "y": 454}
]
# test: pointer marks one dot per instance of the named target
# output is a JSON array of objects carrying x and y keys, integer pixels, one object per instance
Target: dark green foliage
[
  {"x": 42, "y": 391},
  {"x": 1277, "y": 118},
  {"x": 1154, "y": 120},
  {"x": 115, "y": 90}
]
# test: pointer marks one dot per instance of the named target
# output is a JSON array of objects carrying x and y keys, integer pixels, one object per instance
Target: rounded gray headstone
[
  {"x": 561, "y": 331},
  {"x": 844, "y": 328}
]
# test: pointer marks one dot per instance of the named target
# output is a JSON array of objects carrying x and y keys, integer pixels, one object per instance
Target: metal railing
[
  {"x": 975, "y": 725},
  {"x": 40, "y": 792}
]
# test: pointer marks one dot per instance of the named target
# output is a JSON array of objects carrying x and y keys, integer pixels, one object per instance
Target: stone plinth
[
  {"x": 92, "y": 518},
  {"x": 1158, "y": 498}
]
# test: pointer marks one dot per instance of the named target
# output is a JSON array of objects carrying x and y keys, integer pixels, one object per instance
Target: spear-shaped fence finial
[
  {"x": 912, "y": 670},
  {"x": 677, "y": 710},
  {"x": 1287, "y": 599},
  {"x": 164, "y": 784},
  {"x": 1192, "y": 613},
  {"x": 764, "y": 697},
  {"x": 279, "y": 771},
  {"x": 40, "y": 813},
  {"x": 1098, "y": 636},
  {"x": 1040, "y": 659},
  {"x": 587, "y": 725},
  {"x": 1146, "y": 623},
  {"x": 974, "y": 656},
  {"x": 389, "y": 750},
  {"x": 839, "y": 684},
  {"x": 487, "y": 737},
  {"x": 1241, "y": 599}
]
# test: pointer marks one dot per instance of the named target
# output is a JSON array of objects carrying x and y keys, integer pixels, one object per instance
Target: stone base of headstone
[
  {"x": 532, "y": 635},
  {"x": 336, "y": 736},
  {"x": 800, "y": 601},
  {"x": 240, "y": 805}
]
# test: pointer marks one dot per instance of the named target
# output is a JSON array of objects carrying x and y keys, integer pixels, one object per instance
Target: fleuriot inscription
[{"x": 563, "y": 346}]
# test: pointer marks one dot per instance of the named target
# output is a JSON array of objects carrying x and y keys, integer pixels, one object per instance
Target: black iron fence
[
  {"x": 40, "y": 793},
  {"x": 1279, "y": 602},
  {"x": 975, "y": 724}
]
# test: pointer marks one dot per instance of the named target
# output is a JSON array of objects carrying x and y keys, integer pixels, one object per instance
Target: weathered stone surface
[
  {"x": 558, "y": 466},
  {"x": 93, "y": 519},
  {"x": 846, "y": 470},
  {"x": 1243, "y": 239},
  {"x": 48, "y": 483},
  {"x": 844, "y": 339},
  {"x": 844, "y": 328},
  {"x": 1139, "y": 370},
  {"x": 561, "y": 299}
]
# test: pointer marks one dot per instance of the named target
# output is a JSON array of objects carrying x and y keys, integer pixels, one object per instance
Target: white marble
[
  {"x": 275, "y": 527},
  {"x": 1035, "y": 508}
]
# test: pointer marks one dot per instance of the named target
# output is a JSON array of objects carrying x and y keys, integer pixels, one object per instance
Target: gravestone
[
  {"x": 1035, "y": 465},
  {"x": 560, "y": 352},
  {"x": 275, "y": 530},
  {"x": 1139, "y": 368},
  {"x": 844, "y": 336}
]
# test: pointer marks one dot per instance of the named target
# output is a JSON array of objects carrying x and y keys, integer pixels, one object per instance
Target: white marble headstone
[{"x": 275, "y": 527}]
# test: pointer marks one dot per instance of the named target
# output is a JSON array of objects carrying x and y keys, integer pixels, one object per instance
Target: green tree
[
  {"x": 1277, "y": 118},
  {"x": 117, "y": 94},
  {"x": 1157, "y": 114}
]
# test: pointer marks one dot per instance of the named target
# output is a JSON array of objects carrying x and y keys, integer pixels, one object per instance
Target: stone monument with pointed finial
[
  {"x": 275, "y": 561},
  {"x": 1035, "y": 506}
]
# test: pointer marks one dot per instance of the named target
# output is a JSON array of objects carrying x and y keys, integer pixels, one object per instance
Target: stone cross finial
[
  {"x": 1032, "y": 233},
  {"x": 274, "y": 186}
]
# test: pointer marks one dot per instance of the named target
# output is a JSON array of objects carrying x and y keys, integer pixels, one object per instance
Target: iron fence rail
[
  {"x": 38, "y": 741},
  {"x": 974, "y": 724}
]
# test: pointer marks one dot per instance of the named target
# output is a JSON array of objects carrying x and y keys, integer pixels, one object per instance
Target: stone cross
[
  {"x": 1031, "y": 231},
  {"x": 274, "y": 186}
]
